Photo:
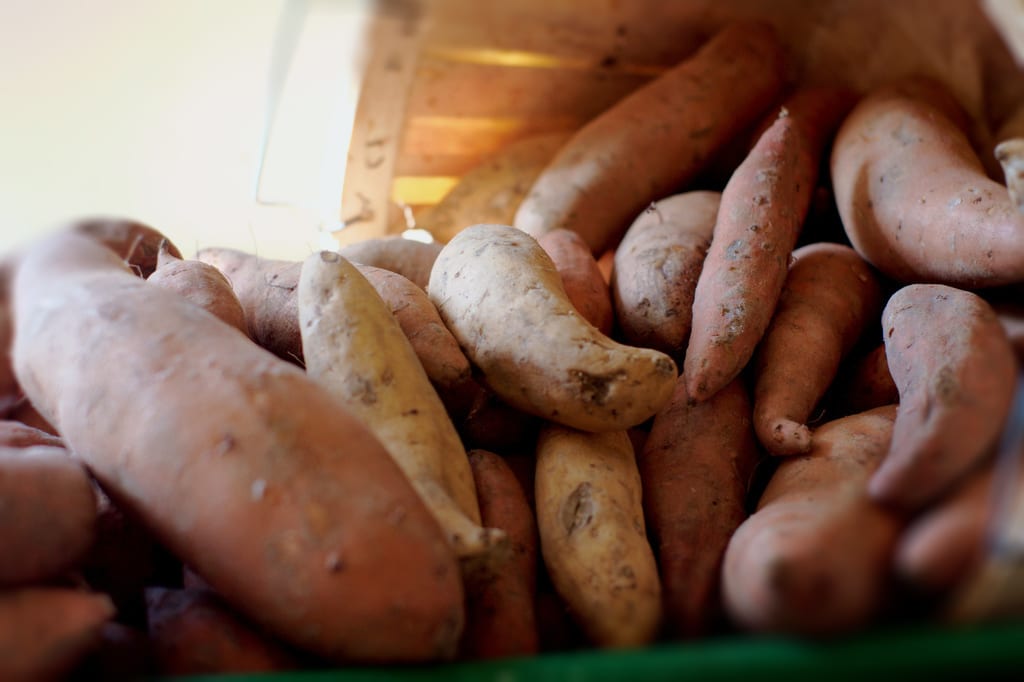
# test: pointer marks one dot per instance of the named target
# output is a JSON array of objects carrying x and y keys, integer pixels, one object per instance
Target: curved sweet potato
[
  {"x": 135, "y": 243},
  {"x": 582, "y": 279},
  {"x": 238, "y": 462}
]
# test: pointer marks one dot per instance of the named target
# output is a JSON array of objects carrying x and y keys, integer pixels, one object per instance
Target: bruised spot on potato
[
  {"x": 735, "y": 250},
  {"x": 578, "y": 510},
  {"x": 945, "y": 386},
  {"x": 594, "y": 388}
]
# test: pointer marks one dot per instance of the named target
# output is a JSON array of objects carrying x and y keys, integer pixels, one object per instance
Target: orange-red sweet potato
[
  {"x": 829, "y": 298},
  {"x": 696, "y": 466},
  {"x": 815, "y": 557},
  {"x": 956, "y": 372},
  {"x": 238, "y": 462},
  {"x": 501, "y": 589},
  {"x": 655, "y": 139},
  {"x": 581, "y": 277},
  {"x": 914, "y": 197},
  {"x": 47, "y": 513}
]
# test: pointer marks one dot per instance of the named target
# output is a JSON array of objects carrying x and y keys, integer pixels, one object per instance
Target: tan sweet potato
[
  {"x": 946, "y": 543},
  {"x": 201, "y": 284},
  {"x": 956, "y": 373},
  {"x": 409, "y": 258},
  {"x": 696, "y": 466},
  {"x": 829, "y": 298},
  {"x": 356, "y": 350},
  {"x": 45, "y": 631},
  {"x": 193, "y": 632},
  {"x": 913, "y": 196},
  {"x": 47, "y": 515},
  {"x": 592, "y": 534},
  {"x": 814, "y": 558},
  {"x": 655, "y": 139},
  {"x": 492, "y": 191},
  {"x": 502, "y": 298},
  {"x": 267, "y": 288},
  {"x": 656, "y": 269},
  {"x": 237, "y": 462},
  {"x": 582, "y": 279},
  {"x": 501, "y": 589}
]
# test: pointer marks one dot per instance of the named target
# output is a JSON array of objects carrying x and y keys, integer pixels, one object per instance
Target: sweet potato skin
[
  {"x": 829, "y": 298},
  {"x": 134, "y": 242},
  {"x": 814, "y": 558},
  {"x": 407, "y": 257},
  {"x": 956, "y": 373},
  {"x": 502, "y": 298},
  {"x": 266, "y": 545},
  {"x": 696, "y": 466},
  {"x": 763, "y": 208},
  {"x": 581, "y": 277},
  {"x": 592, "y": 534},
  {"x": 913, "y": 196},
  {"x": 201, "y": 284},
  {"x": 655, "y": 139},
  {"x": 15, "y": 434},
  {"x": 48, "y": 517},
  {"x": 501, "y": 590},
  {"x": 656, "y": 268}
]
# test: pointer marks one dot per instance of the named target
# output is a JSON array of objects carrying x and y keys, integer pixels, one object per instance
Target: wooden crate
[{"x": 449, "y": 83}]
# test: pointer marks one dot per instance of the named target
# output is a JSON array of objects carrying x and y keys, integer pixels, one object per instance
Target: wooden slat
[{"x": 395, "y": 36}]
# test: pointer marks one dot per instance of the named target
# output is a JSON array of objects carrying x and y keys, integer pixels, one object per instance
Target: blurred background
[{"x": 159, "y": 110}]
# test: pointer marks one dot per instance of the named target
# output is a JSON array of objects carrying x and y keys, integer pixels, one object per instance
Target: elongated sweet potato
[
  {"x": 956, "y": 373},
  {"x": 655, "y": 139},
  {"x": 696, "y": 466},
  {"x": 947, "y": 542},
  {"x": 238, "y": 462},
  {"x": 582, "y": 279},
  {"x": 592, "y": 534},
  {"x": 267, "y": 289},
  {"x": 913, "y": 196},
  {"x": 45, "y": 631},
  {"x": 193, "y": 632},
  {"x": 829, "y": 298},
  {"x": 501, "y": 589},
  {"x": 814, "y": 558},
  {"x": 409, "y": 258},
  {"x": 355, "y": 348},
  {"x": 501, "y": 296},
  {"x": 201, "y": 284},
  {"x": 656, "y": 269},
  {"x": 48, "y": 513}
]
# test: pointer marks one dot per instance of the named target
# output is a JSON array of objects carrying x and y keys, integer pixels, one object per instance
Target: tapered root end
[
  {"x": 1010, "y": 154},
  {"x": 786, "y": 437}
]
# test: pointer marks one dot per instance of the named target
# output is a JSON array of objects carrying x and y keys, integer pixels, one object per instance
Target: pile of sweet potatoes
[{"x": 647, "y": 410}]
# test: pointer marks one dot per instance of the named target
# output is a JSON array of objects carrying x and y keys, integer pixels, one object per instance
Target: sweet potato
[
  {"x": 135, "y": 243},
  {"x": 592, "y": 534},
  {"x": 956, "y": 373},
  {"x": 656, "y": 269},
  {"x": 502, "y": 298},
  {"x": 492, "y": 191},
  {"x": 696, "y": 466},
  {"x": 501, "y": 590},
  {"x": 266, "y": 289},
  {"x": 10, "y": 394},
  {"x": 582, "y": 279},
  {"x": 763, "y": 209},
  {"x": 192, "y": 632},
  {"x": 655, "y": 139},
  {"x": 829, "y": 298},
  {"x": 45, "y": 631},
  {"x": 355, "y": 348},
  {"x": 814, "y": 558},
  {"x": 1011, "y": 316},
  {"x": 201, "y": 284},
  {"x": 237, "y": 462},
  {"x": 947, "y": 542},
  {"x": 913, "y": 196},
  {"x": 866, "y": 384},
  {"x": 47, "y": 515},
  {"x": 409, "y": 258},
  {"x": 15, "y": 434}
]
